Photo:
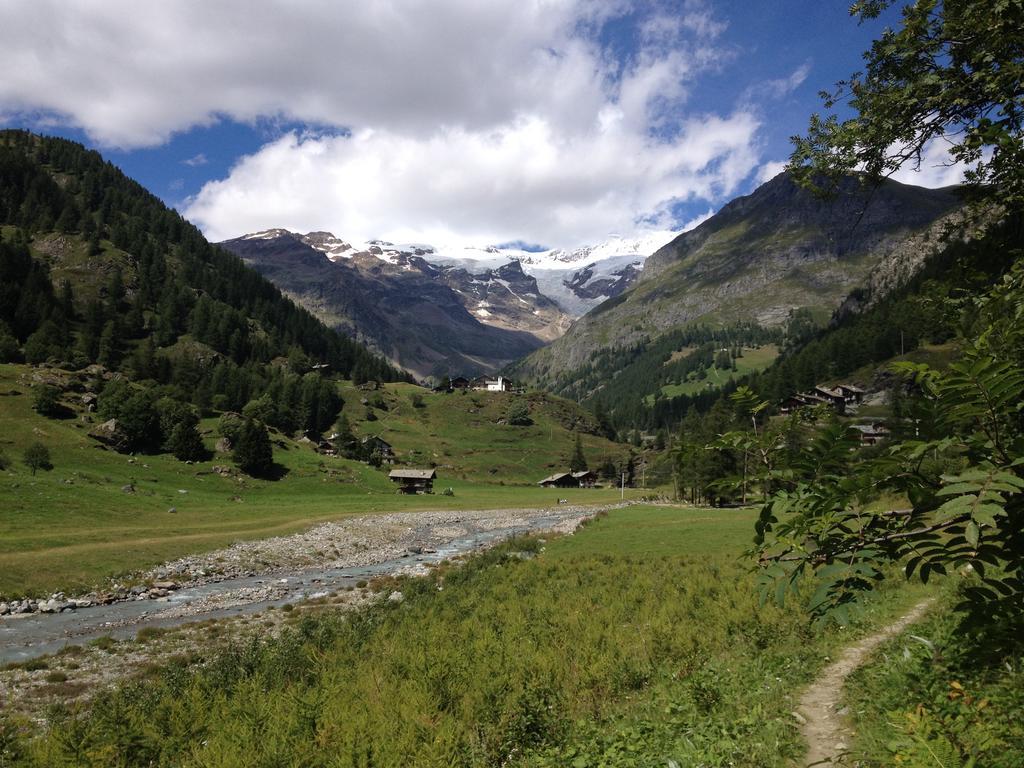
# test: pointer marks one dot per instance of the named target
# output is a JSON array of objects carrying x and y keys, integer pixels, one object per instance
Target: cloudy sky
[{"x": 549, "y": 122}]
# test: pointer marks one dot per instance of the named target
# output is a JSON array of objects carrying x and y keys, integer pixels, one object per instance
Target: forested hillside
[{"x": 94, "y": 270}]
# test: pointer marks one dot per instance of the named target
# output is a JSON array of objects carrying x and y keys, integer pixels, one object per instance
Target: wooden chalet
[
  {"x": 833, "y": 397},
  {"x": 413, "y": 480},
  {"x": 560, "y": 480},
  {"x": 379, "y": 446},
  {"x": 852, "y": 393},
  {"x": 459, "y": 382},
  {"x": 586, "y": 478},
  {"x": 871, "y": 434}
]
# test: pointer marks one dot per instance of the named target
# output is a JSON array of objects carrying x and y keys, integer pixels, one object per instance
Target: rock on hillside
[{"x": 757, "y": 259}]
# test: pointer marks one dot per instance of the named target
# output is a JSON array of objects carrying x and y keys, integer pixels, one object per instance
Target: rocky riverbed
[{"x": 242, "y": 587}]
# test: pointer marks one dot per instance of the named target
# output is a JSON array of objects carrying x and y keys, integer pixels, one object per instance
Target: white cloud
[
  {"x": 196, "y": 160},
  {"x": 786, "y": 85},
  {"x": 461, "y": 187},
  {"x": 449, "y": 119},
  {"x": 936, "y": 169},
  {"x": 770, "y": 170}
]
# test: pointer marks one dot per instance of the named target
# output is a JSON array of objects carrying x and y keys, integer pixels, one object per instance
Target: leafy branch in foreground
[
  {"x": 964, "y": 480},
  {"x": 951, "y": 73}
]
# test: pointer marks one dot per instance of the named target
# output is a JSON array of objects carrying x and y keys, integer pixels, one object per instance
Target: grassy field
[
  {"x": 754, "y": 359},
  {"x": 640, "y": 640},
  {"x": 98, "y": 513}
]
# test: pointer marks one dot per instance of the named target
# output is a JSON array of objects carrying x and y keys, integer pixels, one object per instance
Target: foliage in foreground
[
  {"x": 942, "y": 696},
  {"x": 582, "y": 659},
  {"x": 962, "y": 474}
]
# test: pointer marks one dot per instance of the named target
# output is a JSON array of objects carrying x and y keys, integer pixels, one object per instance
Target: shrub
[
  {"x": 449, "y": 491},
  {"x": 37, "y": 456},
  {"x": 519, "y": 414},
  {"x": 416, "y": 399}
]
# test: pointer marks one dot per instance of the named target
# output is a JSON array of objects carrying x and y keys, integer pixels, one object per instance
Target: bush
[
  {"x": 230, "y": 425},
  {"x": 46, "y": 401},
  {"x": 37, "y": 456},
  {"x": 519, "y": 414},
  {"x": 416, "y": 399},
  {"x": 4, "y": 461}
]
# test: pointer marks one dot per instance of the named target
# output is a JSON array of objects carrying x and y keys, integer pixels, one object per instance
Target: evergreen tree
[
  {"x": 578, "y": 462},
  {"x": 186, "y": 443},
  {"x": 253, "y": 453},
  {"x": 109, "y": 348}
]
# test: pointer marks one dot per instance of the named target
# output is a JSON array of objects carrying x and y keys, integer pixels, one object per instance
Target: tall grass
[{"x": 522, "y": 656}]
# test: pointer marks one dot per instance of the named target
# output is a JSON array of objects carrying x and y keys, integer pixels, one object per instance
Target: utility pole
[{"x": 622, "y": 489}]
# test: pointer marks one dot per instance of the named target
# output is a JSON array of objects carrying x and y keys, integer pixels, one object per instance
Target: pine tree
[
  {"x": 186, "y": 443},
  {"x": 253, "y": 453},
  {"x": 578, "y": 462}
]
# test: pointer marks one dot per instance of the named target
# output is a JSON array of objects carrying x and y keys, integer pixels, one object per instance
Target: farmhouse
[
  {"x": 584, "y": 479},
  {"x": 487, "y": 384},
  {"x": 414, "y": 480},
  {"x": 560, "y": 480},
  {"x": 380, "y": 447}
]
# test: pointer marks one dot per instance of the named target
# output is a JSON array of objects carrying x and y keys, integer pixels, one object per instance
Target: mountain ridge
[{"x": 756, "y": 260}]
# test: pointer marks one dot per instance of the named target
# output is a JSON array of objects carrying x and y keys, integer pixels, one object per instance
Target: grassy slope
[
  {"x": 74, "y": 526},
  {"x": 638, "y": 641},
  {"x": 753, "y": 360},
  {"x": 459, "y": 432}
]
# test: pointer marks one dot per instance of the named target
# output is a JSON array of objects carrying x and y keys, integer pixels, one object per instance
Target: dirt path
[{"x": 822, "y": 725}]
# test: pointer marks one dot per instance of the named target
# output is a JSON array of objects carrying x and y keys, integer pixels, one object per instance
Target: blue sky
[{"x": 555, "y": 122}]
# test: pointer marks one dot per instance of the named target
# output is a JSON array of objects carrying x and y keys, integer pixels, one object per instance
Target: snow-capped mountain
[{"x": 576, "y": 280}]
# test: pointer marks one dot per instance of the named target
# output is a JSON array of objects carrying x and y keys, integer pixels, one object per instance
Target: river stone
[
  {"x": 396, "y": 597},
  {"x": 4, "y": 610}
]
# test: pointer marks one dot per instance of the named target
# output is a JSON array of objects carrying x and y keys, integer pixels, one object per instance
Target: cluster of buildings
[
  {"x": 840, "y": 398},
  {"x": 582, "y": 479},
  {"x": 843, "y": 399},
  {"x": 479, "y": 384}
]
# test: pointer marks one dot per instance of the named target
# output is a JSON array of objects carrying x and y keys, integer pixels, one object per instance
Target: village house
[
  {"x": 871, "y": 434},
  {"x": 584, "y": 479},
  {"x": 380, "y": 447},
  {"x": 413, "y": 480},
  {"x": 838, "y": 398}
]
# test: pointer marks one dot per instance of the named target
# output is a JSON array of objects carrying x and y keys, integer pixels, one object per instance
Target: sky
[{"x": 555, "y": 123}]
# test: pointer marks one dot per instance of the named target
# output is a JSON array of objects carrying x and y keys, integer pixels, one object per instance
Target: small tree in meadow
[
  {"x": 37, "y": 456},
  {"x": 46, "y": 401}
]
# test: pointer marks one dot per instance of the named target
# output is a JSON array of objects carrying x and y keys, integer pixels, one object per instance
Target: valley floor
[{"x": 636, "y": 641}]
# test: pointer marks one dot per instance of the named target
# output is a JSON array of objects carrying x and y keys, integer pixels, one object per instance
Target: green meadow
[
  {"x": 640, "y": 640},
  {"x": 754, "y": 359},
  {"x": 99, "y": 514}
]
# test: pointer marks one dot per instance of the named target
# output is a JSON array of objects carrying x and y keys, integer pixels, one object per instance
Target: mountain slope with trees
[
  {"x": 755, "y": 261},
  {"x": 96, "y": 271}
]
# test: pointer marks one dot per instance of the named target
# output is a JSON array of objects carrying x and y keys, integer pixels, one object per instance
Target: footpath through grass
[{"x": 638, "y": 641}]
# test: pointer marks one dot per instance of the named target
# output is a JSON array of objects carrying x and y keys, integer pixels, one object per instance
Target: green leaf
[{"x": 972, "y": 533}]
